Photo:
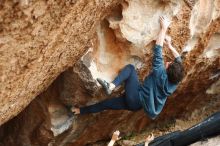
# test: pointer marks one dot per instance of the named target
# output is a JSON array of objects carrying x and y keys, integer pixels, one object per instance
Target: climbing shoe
[
  {"x": 69, "y": 110},
  {"x": 105, "y": 85}
]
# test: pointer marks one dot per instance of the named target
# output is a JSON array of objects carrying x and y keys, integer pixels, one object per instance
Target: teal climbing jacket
[{"x": 156, "y": 87}]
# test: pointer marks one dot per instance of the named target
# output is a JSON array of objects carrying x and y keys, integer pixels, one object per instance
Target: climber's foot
[
  {"x": 75, "y": 110},
  {"x": 105, "y": 85}
]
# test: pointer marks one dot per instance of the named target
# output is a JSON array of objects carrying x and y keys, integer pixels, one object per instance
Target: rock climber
[{"x": 152, "y": 94}]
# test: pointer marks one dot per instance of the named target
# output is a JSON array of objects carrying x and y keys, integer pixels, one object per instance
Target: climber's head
[{"x": 175, "y": 71}]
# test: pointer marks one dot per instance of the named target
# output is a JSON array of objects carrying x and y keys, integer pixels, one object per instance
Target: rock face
[
  {"x": 141, "y": 27},
  {"x": 39, "y": 41},
  {"x": 90, "y": 39}
]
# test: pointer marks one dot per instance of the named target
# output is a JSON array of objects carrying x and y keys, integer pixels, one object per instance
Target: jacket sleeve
[{"x": 157, "y": 58}]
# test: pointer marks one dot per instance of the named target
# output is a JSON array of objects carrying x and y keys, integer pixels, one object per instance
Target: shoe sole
[{"x": 101, "y": 82}]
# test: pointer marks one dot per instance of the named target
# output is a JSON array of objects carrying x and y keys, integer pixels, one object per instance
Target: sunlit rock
[
  {"x": 213, "y": 48},
  {"x": 140, "y": 22},
  {"x": 61, "y": 119}
]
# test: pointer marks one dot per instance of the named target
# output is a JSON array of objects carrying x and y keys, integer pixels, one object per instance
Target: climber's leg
[
  {"x": 118, "y": 103},
  {"x": 125, "y": 74},
  {"x": 132, "y": 86}
]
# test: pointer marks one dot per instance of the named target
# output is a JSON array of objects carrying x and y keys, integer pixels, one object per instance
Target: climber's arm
[
  {"x": 173, "y": 50},
  {"x": 164, "y": 22},
  {"x": 158, "y": 57}
]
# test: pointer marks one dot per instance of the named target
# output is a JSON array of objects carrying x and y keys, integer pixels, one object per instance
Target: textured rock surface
[
  {"x": 38, "y": 42},
  {"x": 139, "y": 24},
  {"x": 95, "y": 38}
]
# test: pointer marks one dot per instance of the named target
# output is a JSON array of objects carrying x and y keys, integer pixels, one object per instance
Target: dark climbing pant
[{"x": 129, "y": 101}]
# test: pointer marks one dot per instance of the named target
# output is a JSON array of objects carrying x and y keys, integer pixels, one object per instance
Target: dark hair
[{"x": 175, "y": 72}]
